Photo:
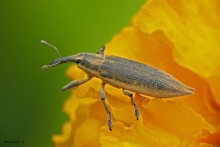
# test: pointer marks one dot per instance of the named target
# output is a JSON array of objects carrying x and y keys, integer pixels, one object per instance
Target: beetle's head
[
  {"x": 86, "y": 61},
  {"x": 74, "y": 58}
]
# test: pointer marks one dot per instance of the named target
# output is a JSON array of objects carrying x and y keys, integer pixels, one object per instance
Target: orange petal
[
  {"x": 65, "y": 138},
  {"x": 187, "y": 25},
  {"x": 212, "y": 138},
  {"x": 88, "y": 134},
  {"x": 175, "y": 117}
]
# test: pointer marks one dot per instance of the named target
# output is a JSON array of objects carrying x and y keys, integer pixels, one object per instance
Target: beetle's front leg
[
  {"x": 75, "y": 83},
  {"x": 102, "y": 97},
  {"x": 128, "y": 93},
  {"x": 101, "y": 51}
]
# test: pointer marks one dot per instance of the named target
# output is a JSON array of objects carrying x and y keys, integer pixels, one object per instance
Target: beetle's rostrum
[{"x": 131, "y": 76}]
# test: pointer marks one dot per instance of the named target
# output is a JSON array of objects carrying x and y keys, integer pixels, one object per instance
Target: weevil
[{"x": 131, "y": 76}]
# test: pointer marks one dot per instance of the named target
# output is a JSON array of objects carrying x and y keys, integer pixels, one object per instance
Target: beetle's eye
[{"x": 78, "y": 61}]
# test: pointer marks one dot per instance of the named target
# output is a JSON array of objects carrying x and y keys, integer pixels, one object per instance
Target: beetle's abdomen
[{"x": 141, "y": 78}]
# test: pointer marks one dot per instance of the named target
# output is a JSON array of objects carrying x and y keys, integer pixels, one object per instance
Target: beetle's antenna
[{"x": 50, "y": 45}]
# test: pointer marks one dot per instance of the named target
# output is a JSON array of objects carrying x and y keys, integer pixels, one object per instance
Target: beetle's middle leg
[
  {"x": 102, "y": 96},
  {"x": 75, "y": 83},
  {"x": 129, "y": 93}
]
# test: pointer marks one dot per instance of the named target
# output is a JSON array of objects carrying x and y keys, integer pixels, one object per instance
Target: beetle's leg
[
  {"x": 75, "y": 83},
  {"x": 128, "y": 93},
  {"x": 102, "y": 97},
  {"x": 101, "y": 50}
]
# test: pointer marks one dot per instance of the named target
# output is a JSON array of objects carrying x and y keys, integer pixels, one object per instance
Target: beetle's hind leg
[
  {"x": 75, "y": 83},
  {"x": 129, "y": 93},
  {"x": 102, "y": 97}
]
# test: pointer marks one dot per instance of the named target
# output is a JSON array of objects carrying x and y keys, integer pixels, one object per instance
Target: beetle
[{"x": 131, "y": 76}]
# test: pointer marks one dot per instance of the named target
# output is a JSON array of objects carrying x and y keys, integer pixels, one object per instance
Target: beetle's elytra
[{"x": 126, "y": 74}]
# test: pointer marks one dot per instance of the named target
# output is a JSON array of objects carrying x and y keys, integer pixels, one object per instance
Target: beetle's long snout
[{"x": 61, "y": 61}]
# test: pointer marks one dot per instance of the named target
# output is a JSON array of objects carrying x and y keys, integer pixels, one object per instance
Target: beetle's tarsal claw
[
  {"x": 109, "y": 121},
  {"x": 75, "y": 83},
  {"x": 136, "y": 111},
  {"x": 71, "y": 85}
]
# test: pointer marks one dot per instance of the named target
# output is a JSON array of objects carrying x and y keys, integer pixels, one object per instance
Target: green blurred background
[{"x": 31, "y": 100}]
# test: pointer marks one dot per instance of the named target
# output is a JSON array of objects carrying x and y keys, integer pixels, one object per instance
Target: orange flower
[{"x": 180, "y": 37}]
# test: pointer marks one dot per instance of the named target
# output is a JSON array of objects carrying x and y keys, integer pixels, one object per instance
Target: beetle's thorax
[{"x": 91, "y": 63}]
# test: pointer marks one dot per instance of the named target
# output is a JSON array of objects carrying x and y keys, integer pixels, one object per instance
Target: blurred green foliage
[{"x": 31, "y": 101}]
